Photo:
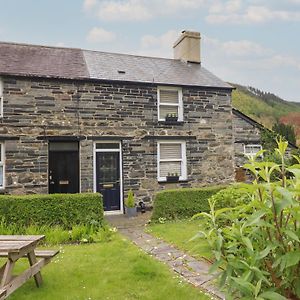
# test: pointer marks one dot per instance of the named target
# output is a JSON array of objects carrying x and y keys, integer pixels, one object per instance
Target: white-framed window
[
  {"x": 2, "y": 166},
  {"x": 1, "y": 97},
  {"x": 252, "y": 149},
  {"x": 170, "y": 103},
  {"x": 171, "y": 160}
]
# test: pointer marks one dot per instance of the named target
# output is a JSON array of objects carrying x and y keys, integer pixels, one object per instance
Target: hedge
[
  {"x": 182, "y": 203},
  {"x": 55, "y": 209}
]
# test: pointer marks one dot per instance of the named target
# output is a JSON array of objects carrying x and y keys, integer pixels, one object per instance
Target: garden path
[{"x": 190, "y": 269}]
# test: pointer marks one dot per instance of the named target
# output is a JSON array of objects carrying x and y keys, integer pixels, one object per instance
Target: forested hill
[{"x": 266, "y": 108}]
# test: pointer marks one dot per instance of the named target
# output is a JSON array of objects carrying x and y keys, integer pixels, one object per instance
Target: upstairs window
[
  {"x": 2, "y": 159},
  {"x": 170, "y": 103},
  {"x": 252, "y": 149},
  {"x": 1, "y": 97},
  {"x": 171, "y": 160}
]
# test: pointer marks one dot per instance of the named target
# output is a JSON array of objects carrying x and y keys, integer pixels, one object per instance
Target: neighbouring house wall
[
  {"x": 244, "y": 133},
  {"x": 36, "y": 108}
]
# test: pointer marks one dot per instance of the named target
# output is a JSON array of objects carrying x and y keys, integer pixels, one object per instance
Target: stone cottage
[
  {"x": 74, "y": 121},
  {"x": 247, "y": 141}
]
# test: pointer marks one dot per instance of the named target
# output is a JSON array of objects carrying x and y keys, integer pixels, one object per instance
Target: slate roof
[
  {"x": 41, "y": 61},
  {"x": 246, "y": 118},
  {"x": 71, "y": 63}
]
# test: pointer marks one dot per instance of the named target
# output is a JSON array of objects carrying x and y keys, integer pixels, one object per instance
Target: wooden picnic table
[{"x": 14, "y": 247}]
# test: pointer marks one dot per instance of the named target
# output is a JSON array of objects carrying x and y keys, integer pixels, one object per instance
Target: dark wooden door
[
  {"x": 108, "y": 179},
  {"x": 63, "y": 169}
]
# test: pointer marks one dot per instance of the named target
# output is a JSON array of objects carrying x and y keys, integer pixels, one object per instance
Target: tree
[
  {"x": 268, "y": 140},
  {"x": 286, "y": 131}
]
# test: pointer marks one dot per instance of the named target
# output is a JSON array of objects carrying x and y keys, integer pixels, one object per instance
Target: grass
[
  {"x": 58, "y": 234},
  {"x": 180, "y": 233},
  {"x": 107, "y": 270}
]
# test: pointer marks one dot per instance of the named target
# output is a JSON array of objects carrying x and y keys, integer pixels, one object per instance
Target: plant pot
[
  {"x": 130, "y": 212},
  {"x": 171, "y": 120},
  {"x": 172, "y": 178}
]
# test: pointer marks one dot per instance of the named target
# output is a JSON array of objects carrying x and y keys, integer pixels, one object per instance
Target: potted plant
[
  {"x": 130, "y": 208},
  {"x": 171, "y": 118},
  {"x": 172, "y": 177}
]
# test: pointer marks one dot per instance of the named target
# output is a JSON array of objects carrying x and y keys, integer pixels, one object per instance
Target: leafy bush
[
  {"x": 130, "y": 202},
  {"x": 230, "y": 197},
  {"x": 259, "y": 249},
  {"x": 59, "y": 235},
  {"x": 64, "y": 210},
  {"x": 182, "y": 203}
]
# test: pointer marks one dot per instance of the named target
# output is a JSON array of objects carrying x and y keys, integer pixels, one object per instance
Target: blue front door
[{"x": 108, "y": 179}]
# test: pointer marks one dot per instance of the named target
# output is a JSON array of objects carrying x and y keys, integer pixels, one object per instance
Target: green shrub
[
  {"x": 182, "y": 203},
  {"x": 259, "y": 248},
  {"x": 130, "y": 201},
  {"x": 230, "y": 197},
  {"x": 64, "y": 210},
  {"x": 59, "y": 235}
]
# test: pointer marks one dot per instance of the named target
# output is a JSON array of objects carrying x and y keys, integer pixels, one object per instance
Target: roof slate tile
[{"x": 70, "y": 63}]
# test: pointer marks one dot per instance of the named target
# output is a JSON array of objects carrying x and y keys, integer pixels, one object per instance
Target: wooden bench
[
  {"x": 48, "y": 254},
  {"x": 14, "y": 247}
]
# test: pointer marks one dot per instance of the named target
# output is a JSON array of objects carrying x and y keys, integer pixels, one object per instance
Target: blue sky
[{"x": 251, "y": 42}]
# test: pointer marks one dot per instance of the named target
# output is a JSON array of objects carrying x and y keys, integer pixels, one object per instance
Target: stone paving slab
[{"x": 191, "y": 270}]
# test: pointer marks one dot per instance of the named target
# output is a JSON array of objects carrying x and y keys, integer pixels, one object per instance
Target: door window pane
[
  {"x": 107, "y": 146},
  {"x": 109, "y": 167},
  {"x": 63, "y": 146}
]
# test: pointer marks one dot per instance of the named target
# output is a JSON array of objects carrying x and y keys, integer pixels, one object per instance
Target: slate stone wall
[
  {"x": 35, "y": 108},
  {"x": 244, "y": 133}
]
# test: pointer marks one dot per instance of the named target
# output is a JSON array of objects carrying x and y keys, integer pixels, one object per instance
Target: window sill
[
  {"x": 179, "y": 181},
  {"x": 171, "y": 123}
]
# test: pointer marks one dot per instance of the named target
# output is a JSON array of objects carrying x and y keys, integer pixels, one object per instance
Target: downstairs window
[{"x": 171, "y": 160}]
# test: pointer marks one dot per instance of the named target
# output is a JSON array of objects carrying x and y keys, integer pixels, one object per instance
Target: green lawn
[
  {"x": 180, "y": 233},
  {"x": 107, "y": 270}
]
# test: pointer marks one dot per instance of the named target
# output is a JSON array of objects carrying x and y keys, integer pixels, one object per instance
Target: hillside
[{"x": 266, "y": 108}]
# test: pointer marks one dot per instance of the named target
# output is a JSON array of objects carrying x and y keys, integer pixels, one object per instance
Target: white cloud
[
  {"x": 160, "y": 46},
  {"x": 216, "y": 11},
  {"x": 230, "y": 6},
  {"x": 130, "y": 10},
  {"x": 244, "y": 48},
  {"x": 178, "y": 5},
  {"x": 100, "y": 35},
  {"x": 139, "y": 10},
  {"x": 241, "y": 48},
  {"x": 89, "y": 4},
  {"x": 252, "y": 14},
  {"x": 247, "y": 53},
  {"x": 249, "y": 63}
]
